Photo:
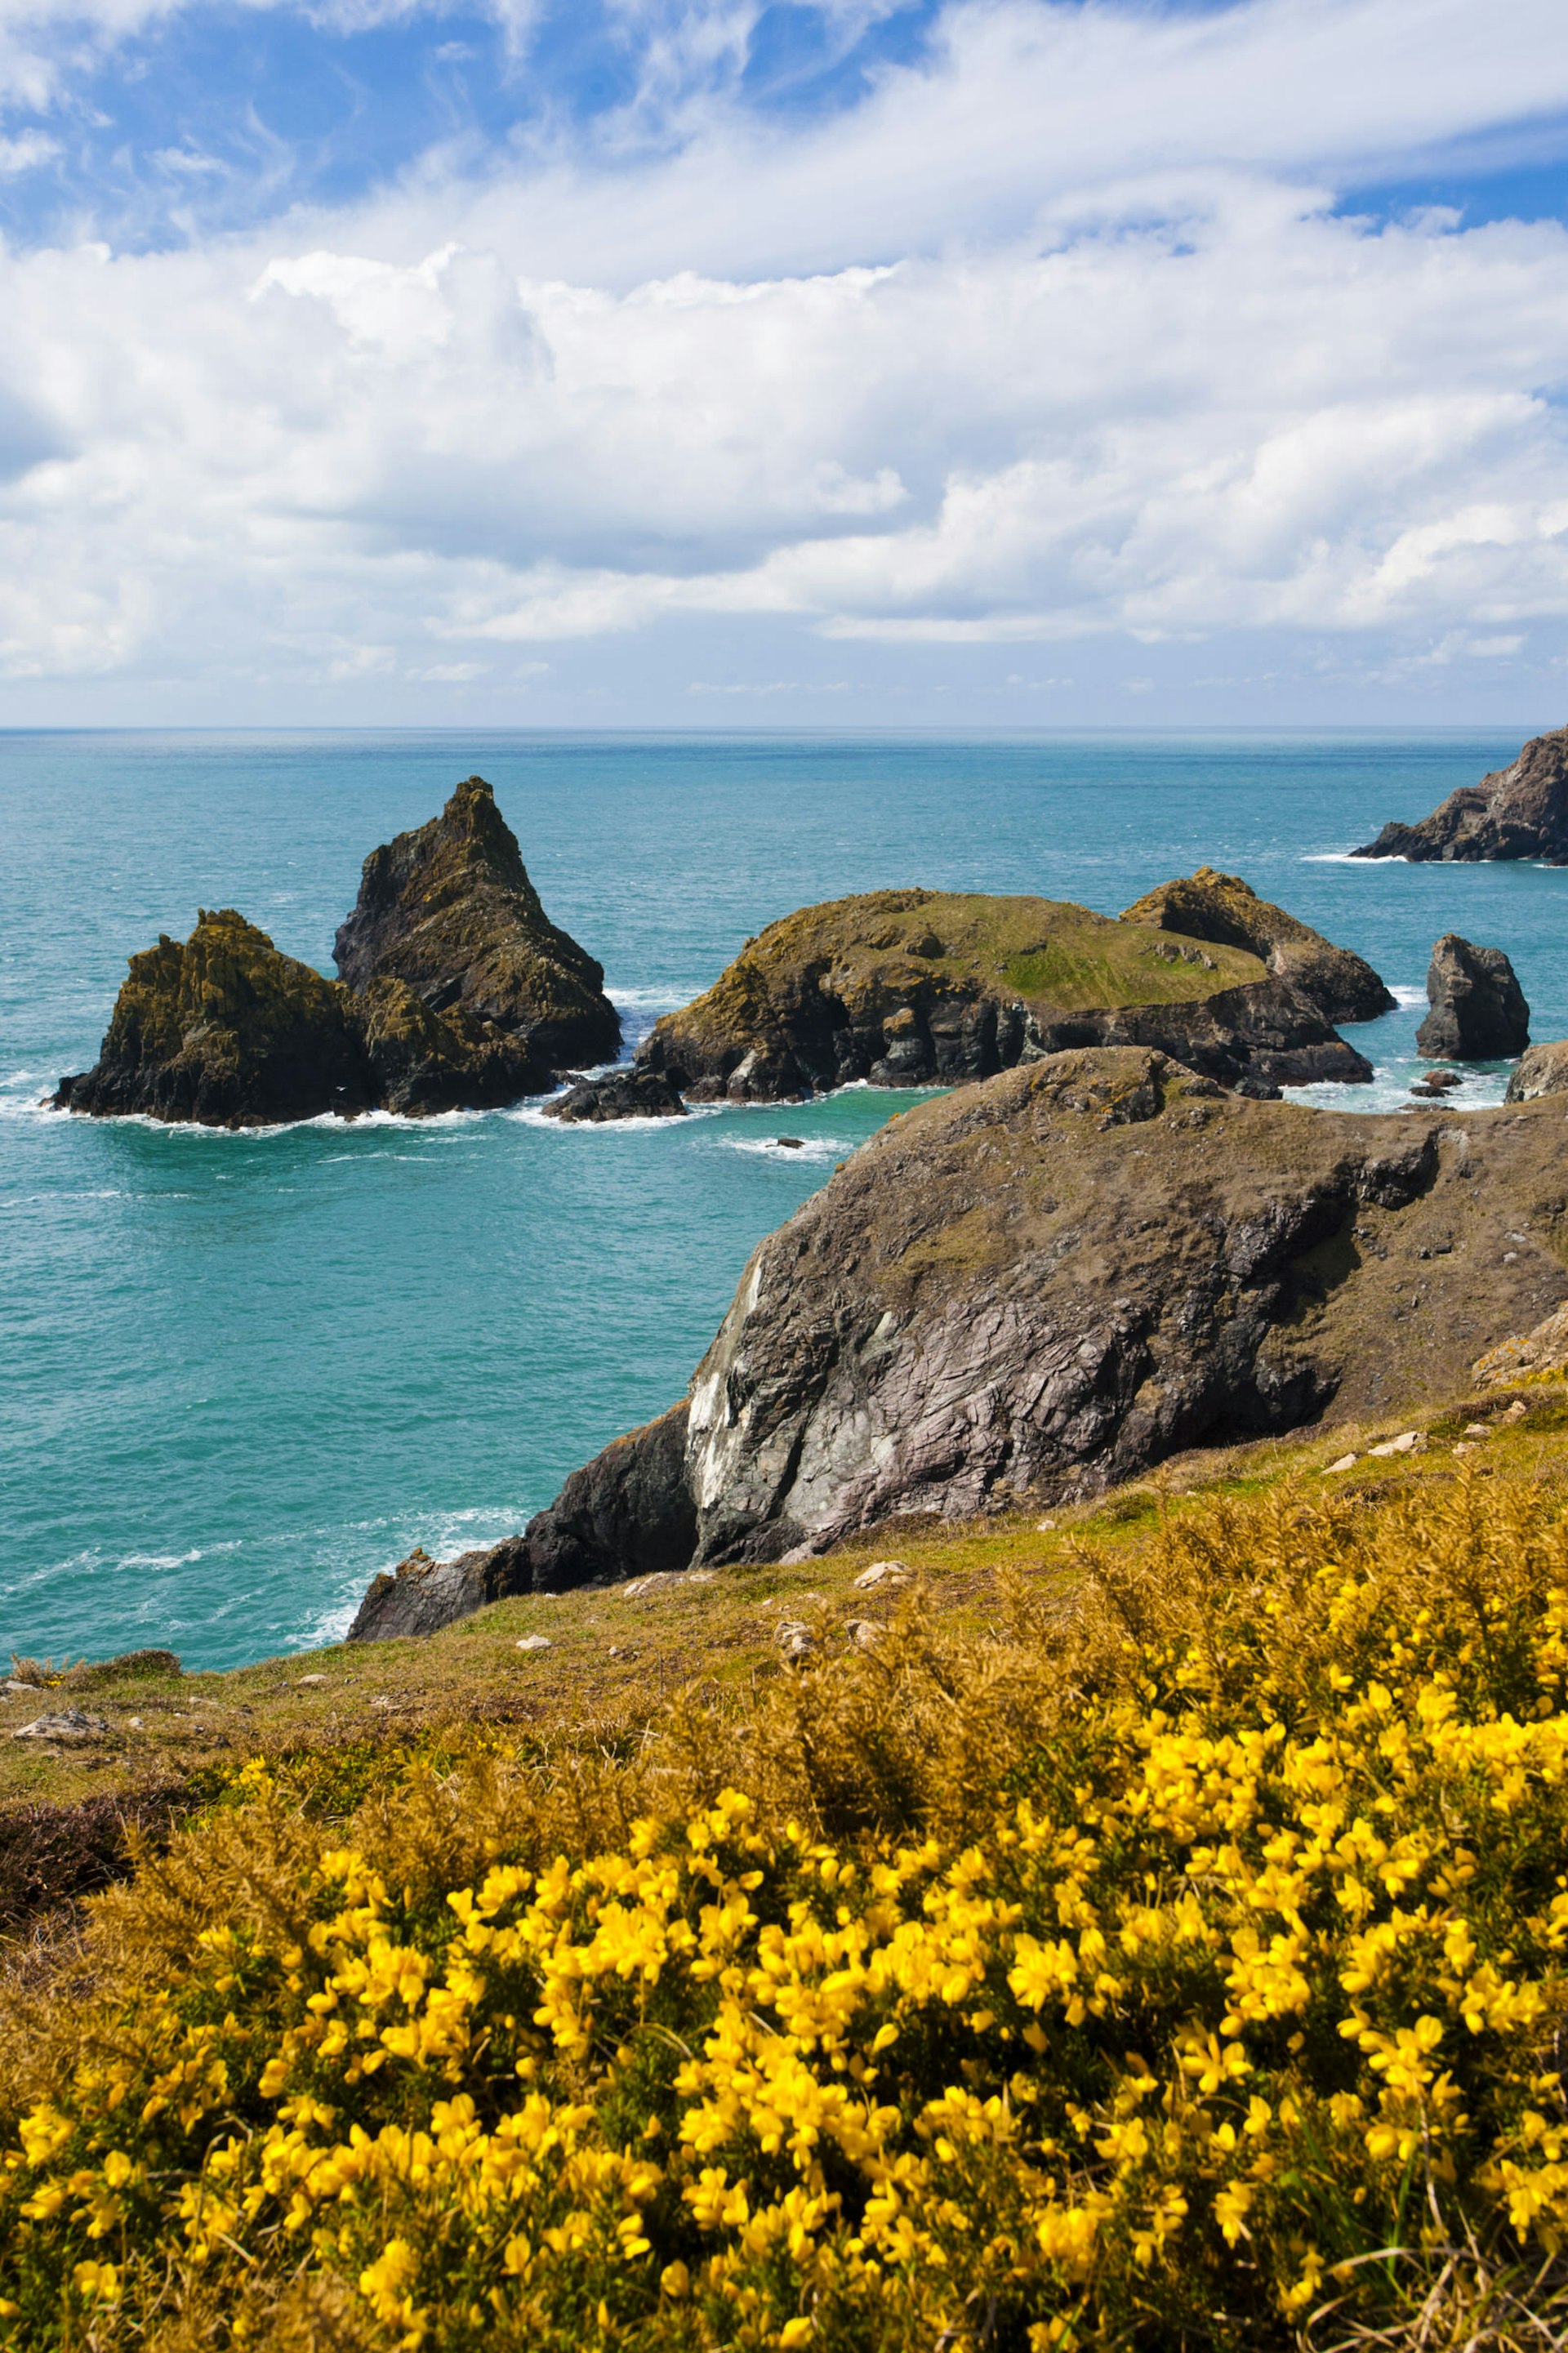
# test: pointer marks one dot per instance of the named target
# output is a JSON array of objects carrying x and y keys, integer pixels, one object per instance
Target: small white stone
[
  {"x": 1477, "y": 1430},
  {"x": 300, "y": 1681},
  {"x": 535, "y": 1643},
  {"x": 1406, "y": 1443},
  {"x": 1516, "y": 1411},
  {"x": 1044, "y": 1527},
  {"x": 883, "y": 1572},
  {"x": 1345, "y": 1462}
]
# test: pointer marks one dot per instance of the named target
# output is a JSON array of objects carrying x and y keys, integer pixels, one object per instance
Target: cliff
[
  {"x": 1226, "y": 912},
  {"x": 1042, "y": 1286},
  {"x": 929, "y": 988},
  {"x": 225, "y": 1030},
  {"x": 1517, "y": 812},
  {"x": 450, "y": 910}
]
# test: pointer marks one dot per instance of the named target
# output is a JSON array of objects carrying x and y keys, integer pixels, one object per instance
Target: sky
[{"x": 742, "y": 362}]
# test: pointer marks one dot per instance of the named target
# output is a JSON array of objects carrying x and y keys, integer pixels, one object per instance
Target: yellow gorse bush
[{"x": 1192, "y": 1974}]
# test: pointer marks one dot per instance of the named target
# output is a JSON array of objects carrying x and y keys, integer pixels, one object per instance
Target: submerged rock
[
  {"x": 620, "y": 1094},
  {"x": 225, "y": 1030},
  {"x": 1225, "y": 910},
  {"x": 1517, "y": 812},
  {"x": 1478, "y": 1010},
  {"x": 1544, "y": 1071},
  {"x": 450, "y": 909},
  {"x": 1042, "y": 1286},
  {"x": 927, "y": 988}
]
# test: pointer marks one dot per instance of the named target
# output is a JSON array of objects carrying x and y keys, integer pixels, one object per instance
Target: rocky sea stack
[
  {"x": 929, "y": 988},
  {"x": 1517, "y": 812},
  {"x": 459, "y": 995},
  {"x": 449, "y": 910},
  {"x": 1044, "y": 1285},
  {"x": 1478, "y": 1007}
]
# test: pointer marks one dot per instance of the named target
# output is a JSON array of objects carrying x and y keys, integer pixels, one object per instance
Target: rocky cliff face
[
  {"x": 928, "y": 988},
  {"x": 1517, "y": 812},
  {"x": 1225, "y": 910},
  {"x": 1544, "y": 1071},
  {"x": 450, "y": 909},
  {"x": 224, "y": 1028},
  {"x": 1478, "y": 1007},
  {"x": 1046, "y": 1284}
]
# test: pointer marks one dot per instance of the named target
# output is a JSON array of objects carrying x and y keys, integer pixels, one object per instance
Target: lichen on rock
[
  {"x": 1224, "y": 909},
  {"x": 224, "y": 1030}
]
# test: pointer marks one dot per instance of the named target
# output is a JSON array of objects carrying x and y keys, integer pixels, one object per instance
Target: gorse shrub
[{"x": 1187, "y": 1969}]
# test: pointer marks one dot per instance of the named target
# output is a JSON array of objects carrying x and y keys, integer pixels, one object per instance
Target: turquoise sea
[{"x": 238, "y": 1374}]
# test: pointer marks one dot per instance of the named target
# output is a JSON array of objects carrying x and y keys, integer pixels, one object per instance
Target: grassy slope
[{"x": 614, "y": 1658}]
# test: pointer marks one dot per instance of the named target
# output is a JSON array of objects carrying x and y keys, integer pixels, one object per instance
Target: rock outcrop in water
[
  {"x": 1225, "y": 910},
  {"x": 1517, "y": 812},
  {"x": 1044, "y": 1285},
  {"x": 619, "y": 1094},
  {"x": 450, "y": 909},
  {"x": 225, "y": 1030},
  {"x": 463, "y": 996},
  {"x": 1478, "y": 1007},
  {"x": 928, "y": 988}
]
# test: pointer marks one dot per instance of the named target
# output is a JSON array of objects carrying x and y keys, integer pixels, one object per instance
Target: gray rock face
[
  {"x": 1043, "y": 1285},
  {"x": 1544, "y": 1071},
  {"x": 1517, "y": 812},
  {"x": 1478, "y": 1010},
  {"x": 620, "y": 1094}
]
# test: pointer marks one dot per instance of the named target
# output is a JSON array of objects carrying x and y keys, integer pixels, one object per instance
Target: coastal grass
[
  {"x": 617, "y": 1657},
  {"x": 1153, "y": 1936}
]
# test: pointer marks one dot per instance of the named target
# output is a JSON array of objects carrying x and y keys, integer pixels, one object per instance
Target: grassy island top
[{"x": 1046, "y": 952}]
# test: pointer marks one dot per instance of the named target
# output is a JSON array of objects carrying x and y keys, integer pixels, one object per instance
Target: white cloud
[
  {"x": 26, "y": 152},
  {"x": 1188, "y": 401}
]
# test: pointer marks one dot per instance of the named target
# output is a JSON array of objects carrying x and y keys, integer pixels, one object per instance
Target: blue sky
[{"x": 634, "y": 363}]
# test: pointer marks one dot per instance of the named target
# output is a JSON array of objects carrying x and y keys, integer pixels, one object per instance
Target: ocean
[{"x": 240, "y": 1374}]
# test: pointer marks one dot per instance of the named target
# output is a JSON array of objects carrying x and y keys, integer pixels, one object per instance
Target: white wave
[
  {"x": 644, "y": 1000},
  {"x": 1403, "y": 993},
  {"x": 1346, "y": 858}
]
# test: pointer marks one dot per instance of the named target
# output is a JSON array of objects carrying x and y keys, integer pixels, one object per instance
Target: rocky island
[
  {"x": 930, "y": 988},
  {"x": 1516, "y": 812},
  {"x": 457, "y": 994},
  {"x": 1478, "y": 1007},
  {"x": 1048, "y": 1283}
]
